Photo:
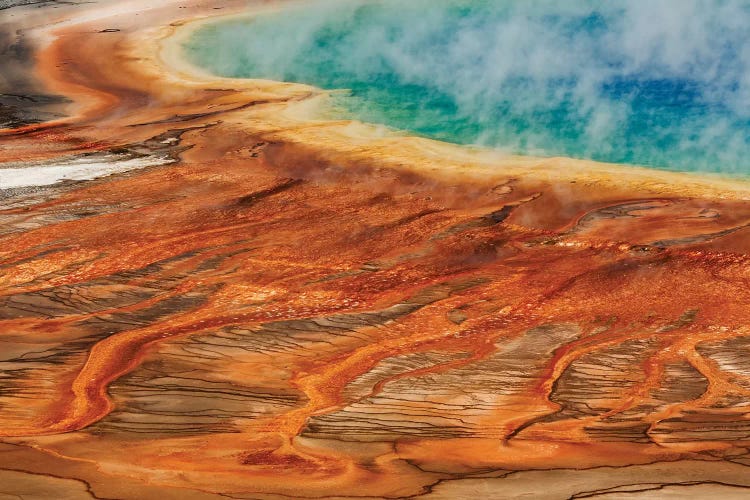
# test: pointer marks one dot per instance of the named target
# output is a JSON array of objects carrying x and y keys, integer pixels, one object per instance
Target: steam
[{"x": 663, "y": 83}]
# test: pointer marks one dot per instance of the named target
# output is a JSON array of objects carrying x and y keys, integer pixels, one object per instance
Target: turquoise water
[{"x": 663, "y": 83}]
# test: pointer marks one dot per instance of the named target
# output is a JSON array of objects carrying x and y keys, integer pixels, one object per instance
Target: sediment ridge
[{"x": 270, "y": 304}]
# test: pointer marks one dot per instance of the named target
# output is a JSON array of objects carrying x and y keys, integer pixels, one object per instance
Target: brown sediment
[{"x": 303, "y": 308}]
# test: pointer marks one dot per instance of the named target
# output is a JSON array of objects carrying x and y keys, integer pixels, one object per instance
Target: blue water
[{"x": 663, "y": 83}]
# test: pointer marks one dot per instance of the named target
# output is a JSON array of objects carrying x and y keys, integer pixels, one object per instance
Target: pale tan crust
[{"x": 294, "y": 307}]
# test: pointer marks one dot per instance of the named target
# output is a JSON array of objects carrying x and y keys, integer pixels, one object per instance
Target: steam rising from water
[{"x": 664, "y": 83}]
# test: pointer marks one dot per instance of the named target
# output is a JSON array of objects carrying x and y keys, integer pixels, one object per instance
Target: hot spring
[{"x": 664, "y": 83}]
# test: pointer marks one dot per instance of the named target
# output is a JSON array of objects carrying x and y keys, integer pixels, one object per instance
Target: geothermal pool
[
  {"x": 609, "y": 81},
  {"x": 203, "y": 298}
]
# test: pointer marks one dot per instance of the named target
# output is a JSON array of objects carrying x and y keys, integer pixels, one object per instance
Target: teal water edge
[{"x": 663, "y": 83}]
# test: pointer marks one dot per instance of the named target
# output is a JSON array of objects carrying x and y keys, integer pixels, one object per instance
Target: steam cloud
[{"x": 663, "y": 83}]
